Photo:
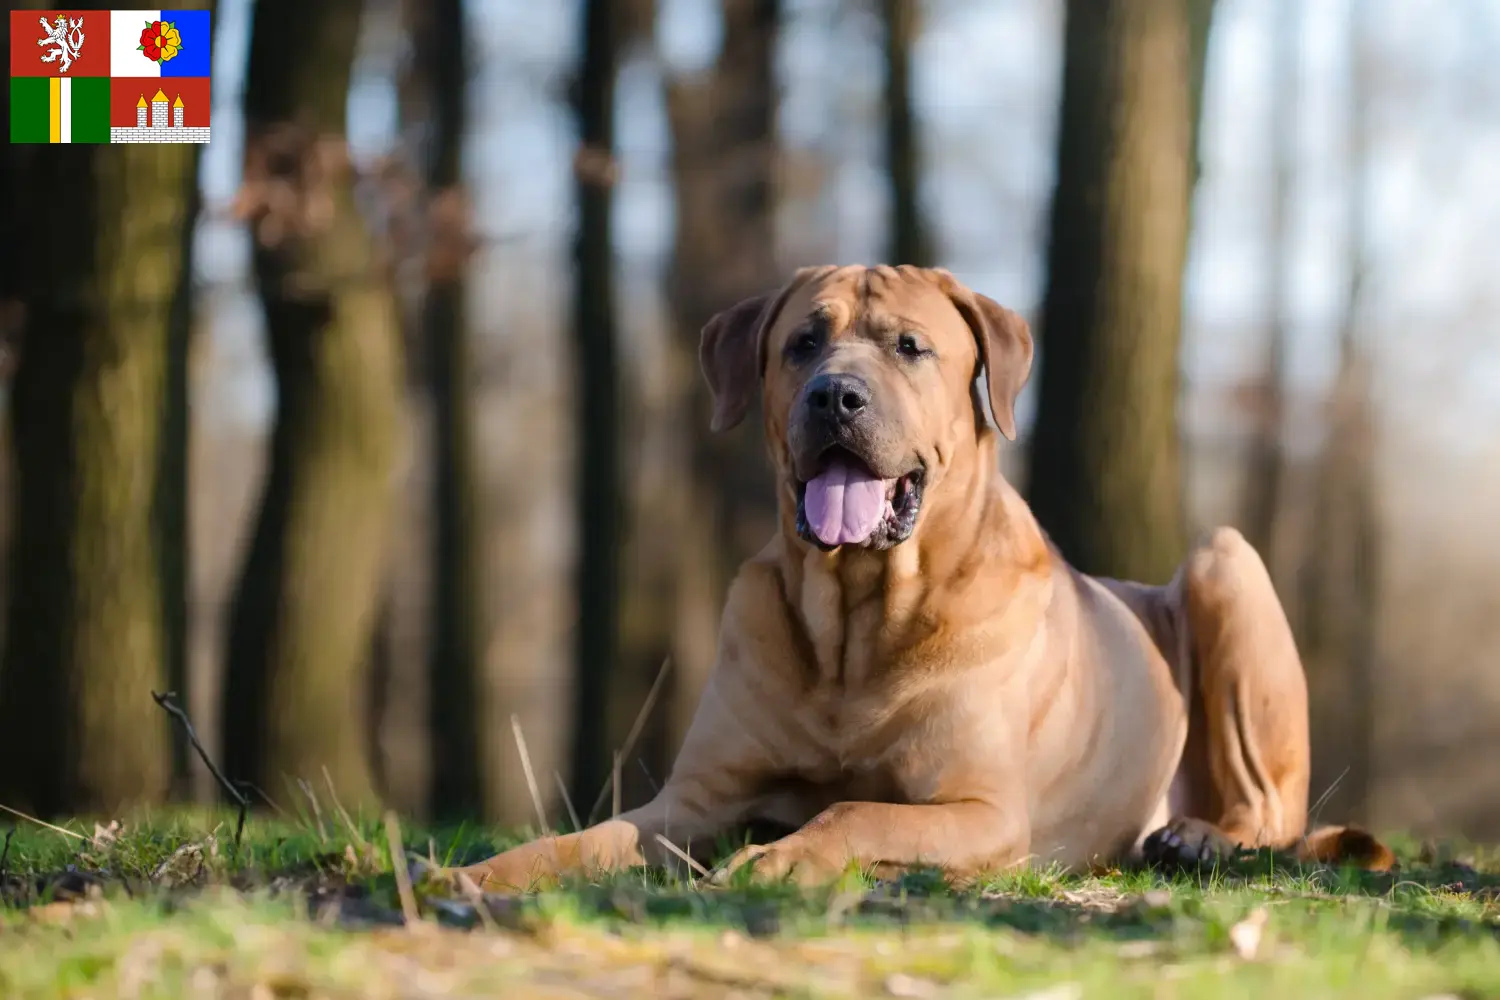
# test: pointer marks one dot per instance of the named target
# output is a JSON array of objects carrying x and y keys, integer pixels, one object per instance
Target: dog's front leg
[
  {"x": 632, "y": 838},
  {"x": 962, "y": 839},
  {"x": 713, "y": 783}
]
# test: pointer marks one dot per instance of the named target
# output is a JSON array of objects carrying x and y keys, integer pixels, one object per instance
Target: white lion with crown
[{"x": 67, "y": 38}]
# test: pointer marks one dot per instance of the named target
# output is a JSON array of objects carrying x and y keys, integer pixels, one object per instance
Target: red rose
[{"x": 151, "y": 41}]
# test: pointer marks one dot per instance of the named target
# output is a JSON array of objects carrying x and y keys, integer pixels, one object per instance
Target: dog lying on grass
[{"x": 909, "y": 674}]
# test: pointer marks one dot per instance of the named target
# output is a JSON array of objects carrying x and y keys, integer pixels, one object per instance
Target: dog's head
[{"x": 868, "y": 387}]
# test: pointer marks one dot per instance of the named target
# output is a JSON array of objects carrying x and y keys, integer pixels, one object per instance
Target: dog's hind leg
[
  {"x": 1244, "y": 778},
  {"x": 1246, "y": 670}
]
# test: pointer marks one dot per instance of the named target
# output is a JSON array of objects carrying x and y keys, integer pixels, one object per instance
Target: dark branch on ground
[{"x": 168, "y": 704}]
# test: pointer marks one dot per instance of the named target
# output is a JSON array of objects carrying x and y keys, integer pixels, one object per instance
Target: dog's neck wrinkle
[
  {"x": 975, "y": 502},
  {"x": 1004, "y": 553}
]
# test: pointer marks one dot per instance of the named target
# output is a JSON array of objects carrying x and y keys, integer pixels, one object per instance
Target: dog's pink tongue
[{"x": 844, "y": 504}]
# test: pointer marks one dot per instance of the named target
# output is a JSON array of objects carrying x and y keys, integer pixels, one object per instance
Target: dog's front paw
[
  {"x": 1188, "y": 843},
  {"x": 773, "y": 862},
  {"x": 512, "y": 871}
]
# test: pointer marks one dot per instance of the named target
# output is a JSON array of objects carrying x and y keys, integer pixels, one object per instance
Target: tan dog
[{"x": 909, "y": 674}]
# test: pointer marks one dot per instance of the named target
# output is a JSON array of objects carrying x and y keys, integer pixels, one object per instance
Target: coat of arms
[{"x": 65, "y": 37}]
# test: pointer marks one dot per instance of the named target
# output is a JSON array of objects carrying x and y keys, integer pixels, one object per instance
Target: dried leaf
[
  {"x": 185, "y": 864},
  {"x": 1245, "y": 935}
]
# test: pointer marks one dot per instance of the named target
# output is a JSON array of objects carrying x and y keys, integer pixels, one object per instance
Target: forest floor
[{"x": 168, "y": 906}]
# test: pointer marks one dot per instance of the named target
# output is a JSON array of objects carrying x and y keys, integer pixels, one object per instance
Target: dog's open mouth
[{"x": 847, "y": 504}]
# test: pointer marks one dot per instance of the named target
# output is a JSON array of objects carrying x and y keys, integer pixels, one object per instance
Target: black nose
[{"x": 841, "y": 397}]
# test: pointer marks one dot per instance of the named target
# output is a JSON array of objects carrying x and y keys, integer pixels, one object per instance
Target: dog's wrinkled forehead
[
  {"x": 871, "y": 302},
  {"x": 743, "y": 346}
]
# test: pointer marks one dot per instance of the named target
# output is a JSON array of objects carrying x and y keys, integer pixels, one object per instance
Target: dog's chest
[
  {"x": 845, "y": 621},
  {"x": 857, "y": 733},
  {"x": 852, "y": 755},
  {"x": 842, "y": 725},
  {"x": 850, "y": 704}
]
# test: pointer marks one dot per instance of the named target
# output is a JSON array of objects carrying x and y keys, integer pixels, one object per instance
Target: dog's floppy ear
[
  {"x": 1005, "y": 348},
  {"x": 731, "y": 351}
]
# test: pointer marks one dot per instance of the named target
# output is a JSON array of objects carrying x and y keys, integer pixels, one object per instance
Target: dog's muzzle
[{"x": 848, "y": 498}]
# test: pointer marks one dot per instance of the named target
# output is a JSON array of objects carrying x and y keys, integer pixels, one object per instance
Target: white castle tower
[{"x": 168, "y": 123}]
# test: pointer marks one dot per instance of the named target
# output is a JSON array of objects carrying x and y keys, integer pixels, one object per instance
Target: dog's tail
[{"x": 1346, "y": 845}]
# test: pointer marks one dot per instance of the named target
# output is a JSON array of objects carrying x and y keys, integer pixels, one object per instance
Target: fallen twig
[
  {"x": 343, "y": 813},
  {"x": 481, "y": 908},
  {"x": 168, "y": 703},
  {"x": 268, "y": 801},
  {"x": 614, "y": 782},
  {"x": 562, "y": 790},
  {"x": 307, "y": 789},
  {"x": 398, "y": 868},
  {"x": 1317, "y": 807},
  {"x": 41, "y": 823},
  {"x": 694, "y": 865},
  {"x": 630, "y": 738},
  {"x": 536, "y": 795},
  {"x": 531, "y": 786},
  {"x": 655, "y": 788}
]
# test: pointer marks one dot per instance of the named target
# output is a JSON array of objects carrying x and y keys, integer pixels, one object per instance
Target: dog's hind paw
[{"x": 1188, "y": 843}]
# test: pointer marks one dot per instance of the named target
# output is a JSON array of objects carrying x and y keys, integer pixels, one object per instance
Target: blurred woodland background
[{"x": 377, "y": 422}]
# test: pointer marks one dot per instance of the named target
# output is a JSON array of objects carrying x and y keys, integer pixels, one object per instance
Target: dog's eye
[
  {"x": 802, "y": 345},
  {"x": 907, "y": 346}
]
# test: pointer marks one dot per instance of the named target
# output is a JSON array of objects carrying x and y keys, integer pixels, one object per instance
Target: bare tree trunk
[
  {"x": 439, "y": 38},
  {"x": 1263, "y": 484},
  {"x": 724, "y": 161},
  {"x": 400, "y": 675},
  {"x": 300, "y": 633},
  {"x": 596, "y": 396},
  {"x": 172, "y": 487},
  {"x": 1341, "y": 575},
  {"x": 1105, "y": 469},
  {"x": 910, "y": 241},
  {"x": 92, "y": 413}
]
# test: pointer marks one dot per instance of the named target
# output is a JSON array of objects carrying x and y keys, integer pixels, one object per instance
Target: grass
[{"x": 163, "y": 907}]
